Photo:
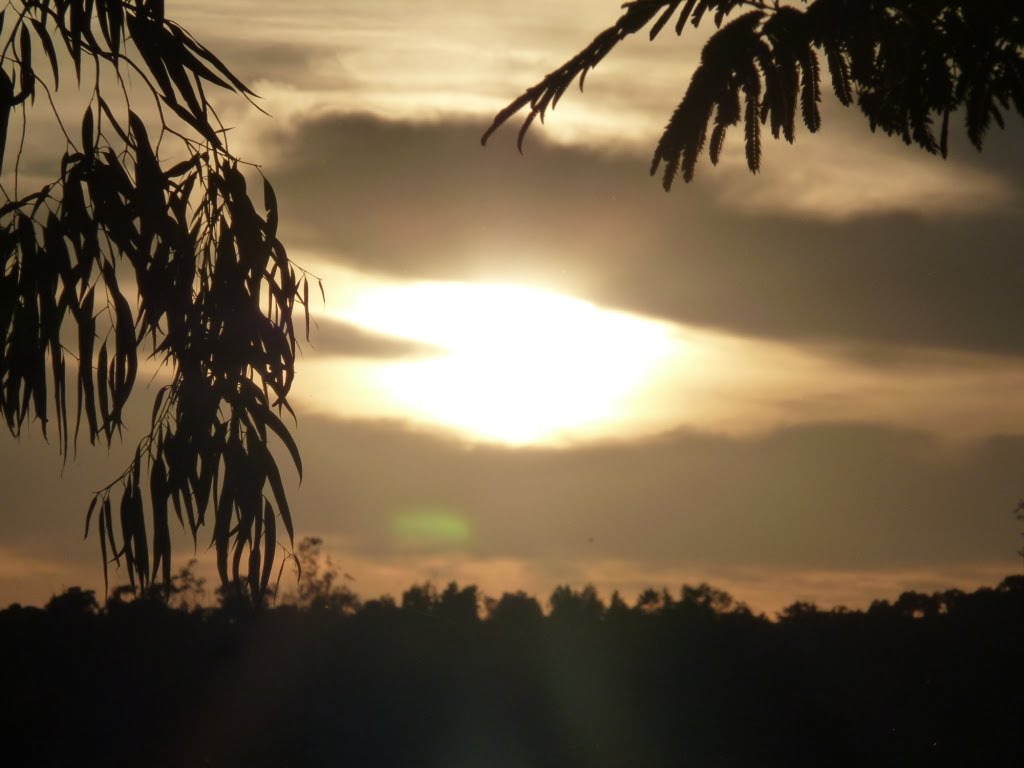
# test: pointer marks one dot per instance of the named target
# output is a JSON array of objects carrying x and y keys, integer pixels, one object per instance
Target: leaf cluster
[
  {"x": 909, "y": 65},
  {"x": 149, "y": 241}
]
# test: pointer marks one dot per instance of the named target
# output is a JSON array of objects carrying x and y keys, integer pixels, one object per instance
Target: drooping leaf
[
  {"x": 128, "y": 532},
  {"x": 269, "y": 547},
  {"x": 810, "y": 91},
  {"x": 6, "y": 105},
  {"x": 28, "y": 76},
  {"x": 161, "y": 530},
  {"x": 101, "y": 385},
  {"x": 840, "y": 72},
  {"x": 86, "y": 339},
  {"x": 270, "y": 204},
  {"x": 88, "y": 515},
  {"x": 88, "y": 140},
  {"x": 752, "y": 132}
]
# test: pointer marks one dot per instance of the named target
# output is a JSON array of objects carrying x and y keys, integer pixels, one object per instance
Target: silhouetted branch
[
  {"x": 908, "y": 64},
  {"x": 148, "y": 241}
]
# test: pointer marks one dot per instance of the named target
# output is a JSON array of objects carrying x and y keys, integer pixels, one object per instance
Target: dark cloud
[
  {"x": 279, "y": 61},
  {"x": 427, "y": 200},
  {"x": 814, "y": 497},
  {"x": 338, "y": 338},
  {"x": 1003, "y": 151},
  {"x": 822, "y": 497},
  {"x": 44, "y": 496}
]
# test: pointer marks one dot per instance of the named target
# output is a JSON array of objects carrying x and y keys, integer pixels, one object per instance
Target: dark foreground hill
[{"x": 696, "y": 681}]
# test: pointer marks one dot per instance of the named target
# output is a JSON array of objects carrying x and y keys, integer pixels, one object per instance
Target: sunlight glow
[
  {"x": 520, "y": 364},
  {"x": 501, "y": 363}
]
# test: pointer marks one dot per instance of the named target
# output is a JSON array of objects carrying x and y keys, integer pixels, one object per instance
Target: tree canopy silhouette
[
  {"x": 909, "y": 65},
  {"x": 688, "y": 677},
  {"x": 147, "y": 239}
]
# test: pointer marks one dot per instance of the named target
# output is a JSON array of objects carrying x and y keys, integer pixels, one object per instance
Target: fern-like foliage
[
  {"x": 146, "y": 239},
  {"x": 908, "y": 65}
]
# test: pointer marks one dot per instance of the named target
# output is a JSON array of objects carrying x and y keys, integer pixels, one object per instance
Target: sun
[{"x": 516, "y": 364}]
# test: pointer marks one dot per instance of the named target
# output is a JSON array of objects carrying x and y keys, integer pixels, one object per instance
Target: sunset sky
[{"x": 540, "y": 369}]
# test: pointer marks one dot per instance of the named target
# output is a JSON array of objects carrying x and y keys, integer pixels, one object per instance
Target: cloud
[
  {"x": 403, "y": 61},
  {"x": 845, "y": 502},
  {"x": 336, "y": 338},
  {"x": 819, "y": 497},
  {"x": 426, "y": 201}
]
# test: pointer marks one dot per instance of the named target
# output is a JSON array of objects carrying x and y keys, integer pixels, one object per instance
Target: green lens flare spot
[{"x": 431, "y": 527}]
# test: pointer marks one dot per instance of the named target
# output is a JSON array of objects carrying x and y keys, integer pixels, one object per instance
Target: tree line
[{"x": 444, "y": 677}]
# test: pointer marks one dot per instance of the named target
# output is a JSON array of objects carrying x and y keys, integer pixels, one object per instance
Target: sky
[{"x": 540, "y": 369}]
